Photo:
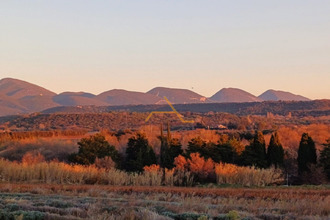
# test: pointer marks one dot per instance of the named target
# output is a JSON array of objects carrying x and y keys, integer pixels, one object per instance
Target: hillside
[
  {"x": 317, "y": 108},
  {"x": 175, "y": 96},
  {"x": 77, "y": 99},
  {"x": 26, "y": 97},
  {"x": 124, "y": 97},
  {"x": 122, "y": 117},
  {"x": 19, "y": 89},
  {"x": 234, "y": 95},
  {"x": 9, "y": 106},
  {"x": 276, "y": 95}
]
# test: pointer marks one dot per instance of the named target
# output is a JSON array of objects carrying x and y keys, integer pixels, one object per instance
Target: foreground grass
[
  {"x": 50, "y": 201},
  {"x": 33, "y": 169}
]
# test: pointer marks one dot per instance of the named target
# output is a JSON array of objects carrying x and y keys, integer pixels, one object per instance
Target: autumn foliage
[{"x": 206, "y": 170}]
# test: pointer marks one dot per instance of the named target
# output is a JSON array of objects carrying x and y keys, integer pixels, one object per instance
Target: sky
[{"x": 204, "y": 45}]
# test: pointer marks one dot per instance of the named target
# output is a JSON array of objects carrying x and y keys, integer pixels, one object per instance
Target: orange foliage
[
  {"x": 152, "y": 168},
  {"x": 226, "y": 169},
  {"x": 180, "y": 163},
  {"x": 198, "y": 165},
  {"x": 290, "y": 136}
]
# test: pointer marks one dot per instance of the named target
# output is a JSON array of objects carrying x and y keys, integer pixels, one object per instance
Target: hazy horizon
[{"x": 202, "y": 46}]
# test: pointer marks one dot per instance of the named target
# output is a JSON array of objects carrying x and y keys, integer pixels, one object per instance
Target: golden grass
[
  {"x": 62, "y": 173},
  {"x": 247, "y": 176}
]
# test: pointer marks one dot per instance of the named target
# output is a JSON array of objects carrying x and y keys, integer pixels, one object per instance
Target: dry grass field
[
  {"x": 55, "y": 190},
  {"x": 51, "y": 188},
  {"x": 51, "y": 201}
]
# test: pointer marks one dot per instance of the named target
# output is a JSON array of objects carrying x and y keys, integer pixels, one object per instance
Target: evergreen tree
[
  {"x": 139, "y": 153},
  {"x": 224, "y": 152},
  {"x": 175, "y": 149},
  {"x": 214, "y": 151},
  {"x": 170, "y": 148},
  {"x": 275, "y": 152},
  {"x": 255, "y": 153},
  {"x": 306, "y": 153},
  {"x": 94, "y": 147},
  {"x": 325, "y": 158},
  {"x": 163, "y": 147},
  {"x": 197, "y": 145},
  {"x": 206, "y": 150}
]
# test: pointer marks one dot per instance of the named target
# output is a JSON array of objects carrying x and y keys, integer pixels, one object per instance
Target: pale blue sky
[{"x": 137, "y": 45}]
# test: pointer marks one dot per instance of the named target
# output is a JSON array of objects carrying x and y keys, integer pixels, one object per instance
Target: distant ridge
[
  {"x": 177, "y": 96},
  {"x": 234, "y": 95},
  {"x": 276, "y": 95},
  {"x": 124, "y": 97},
  {"x": 77, "y": 98},
  {"x": 21, "y": 97},
  {"x": 302, "y": 108}
]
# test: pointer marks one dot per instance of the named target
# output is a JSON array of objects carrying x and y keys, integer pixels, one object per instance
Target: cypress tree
[
  {"x": 175, "y": 149},
  {"x": 255, "y": 153},
  {"x": 170, "y": 148},
  {"x": 275, "y": 153},
  {"x": 163, "y": 147},
  {"x": 325, "y": 158},
  {"x": 306, "y": 153}
]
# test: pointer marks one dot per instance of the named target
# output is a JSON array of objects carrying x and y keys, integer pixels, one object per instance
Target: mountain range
[{"x": 19, "y": 97}]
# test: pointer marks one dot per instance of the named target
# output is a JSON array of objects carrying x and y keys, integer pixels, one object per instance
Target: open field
[
  {"x": 46, "y": 185},
  {"x": 49, "y": 201}
]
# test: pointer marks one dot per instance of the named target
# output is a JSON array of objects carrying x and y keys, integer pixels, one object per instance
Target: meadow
[
  {"x": 38, "y": 181},
  {"x": 56, "y": 190},
  {"x": 53, "y": 201}
]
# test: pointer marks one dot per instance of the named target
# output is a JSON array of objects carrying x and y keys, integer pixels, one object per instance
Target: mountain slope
[
  {"x": 124, "y": 97},
  {"x": 234, "y": 95},
  {"x": 18, "y": 89},
  {"x": 77, "y": 98},
  {"x": 176, "y": 96},
  {"x": 10, "y": 106},
  {"x": 276, "y": 95},
  {"x": 30, "y": 96}
]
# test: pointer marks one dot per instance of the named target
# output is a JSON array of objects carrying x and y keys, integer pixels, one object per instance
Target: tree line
[{"x": 139, "y": 154}]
